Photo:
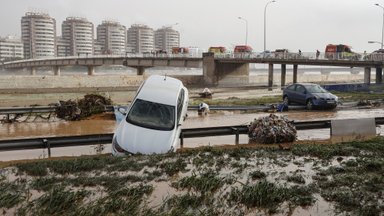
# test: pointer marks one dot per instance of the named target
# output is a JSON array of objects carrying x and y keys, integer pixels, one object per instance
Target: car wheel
[
  {"x": 286, "y": 100},
  {"x": 309, "y": 104}
]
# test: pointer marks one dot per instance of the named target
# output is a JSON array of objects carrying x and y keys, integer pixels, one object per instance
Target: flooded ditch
[{"x": 106, "y": 123}]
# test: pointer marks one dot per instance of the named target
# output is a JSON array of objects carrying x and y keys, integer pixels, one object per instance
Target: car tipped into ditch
[{"x": 153, "y": 121}]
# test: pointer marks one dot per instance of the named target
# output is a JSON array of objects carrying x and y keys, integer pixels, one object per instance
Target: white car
[{"x": 152, "y": 123}]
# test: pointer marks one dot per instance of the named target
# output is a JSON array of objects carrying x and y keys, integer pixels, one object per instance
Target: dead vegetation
[{"x": 76, "y": 110}]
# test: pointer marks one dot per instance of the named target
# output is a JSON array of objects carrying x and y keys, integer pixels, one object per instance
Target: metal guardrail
[
  {"x": 48, "y": 109},
  {"x": 23, "y": 110},
  {"x": 95, "y": 139}
]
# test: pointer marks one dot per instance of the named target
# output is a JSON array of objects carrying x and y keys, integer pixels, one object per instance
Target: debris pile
[
  {"x": 368, "y": 103},
  {"x": 272, "y": 129},
  {"x": 206, "y": 93},
  {"x": 76, "y": 110}
]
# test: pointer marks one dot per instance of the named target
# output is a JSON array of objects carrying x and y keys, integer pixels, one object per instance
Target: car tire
[
  {"x": 286, "y": 100},
  {"x": 309, "y": 104}
]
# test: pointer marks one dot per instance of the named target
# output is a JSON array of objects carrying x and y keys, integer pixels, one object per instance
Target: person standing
[{"x": 317, "y": 54}]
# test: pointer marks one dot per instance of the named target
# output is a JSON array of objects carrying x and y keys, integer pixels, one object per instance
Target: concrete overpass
[
  {"x": 215, "y": 67},
  {"x": 138, "y": 62}
]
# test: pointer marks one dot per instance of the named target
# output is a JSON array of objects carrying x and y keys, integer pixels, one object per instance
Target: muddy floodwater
[{"x": 107, "y": 124}]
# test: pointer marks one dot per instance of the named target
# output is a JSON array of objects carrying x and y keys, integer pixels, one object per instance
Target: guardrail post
[
  {"x": 48, "y": 146},
  {"x": 237, "y": 135},
  {"x": 182, "y": 140},
  {"x": 270, "y": 76}
]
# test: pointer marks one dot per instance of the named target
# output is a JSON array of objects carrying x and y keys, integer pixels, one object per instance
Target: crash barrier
[
  {"x": 348, "y": 87},
  {"x": 343, "y": 130},
  {"x": 55, "y": 142},
  {"x": 48, "y": 109},
  {"x": 96, "y": 139}
]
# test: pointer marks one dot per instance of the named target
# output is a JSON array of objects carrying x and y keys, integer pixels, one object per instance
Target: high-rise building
[
  {"x": 78, "y": 34},
  {"x": 113, "y": 37},
  {"x": 11, "y": 48},
  {"x": 166, "y": 38},
  {"x": 140, "y": 39},
  {"x": 62, "y": 47},
  {"x": 97, "y": 47},
  {"x": 38, "y": 33}
]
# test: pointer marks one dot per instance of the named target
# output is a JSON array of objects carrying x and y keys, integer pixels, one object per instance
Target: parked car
[
  {"x": 152, "y": 122},
  {"x": 285, "y": 54},
  {"x": 309, "y": 94},
  {"x": 265, "y": 54}
]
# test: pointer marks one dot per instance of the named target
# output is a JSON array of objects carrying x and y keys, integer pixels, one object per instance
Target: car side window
[
  {"x": 300, "y": 89},
  {"x": 180, "y": 104},
  {"x": 291, "y": 88}
]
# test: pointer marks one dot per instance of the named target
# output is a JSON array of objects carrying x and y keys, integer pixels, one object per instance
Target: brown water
[{"x": 98, "y": 125}]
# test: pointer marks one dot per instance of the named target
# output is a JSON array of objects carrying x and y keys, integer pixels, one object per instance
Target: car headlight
[{"x": 116, "y": 146}]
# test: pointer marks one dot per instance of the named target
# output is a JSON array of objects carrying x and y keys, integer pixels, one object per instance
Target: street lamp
[
  {"x": 246, "y": 30},
  {"x": 375, "y": 42},
  {"x": 382, "y": 29},
  {"x": 265, "y": 23}
]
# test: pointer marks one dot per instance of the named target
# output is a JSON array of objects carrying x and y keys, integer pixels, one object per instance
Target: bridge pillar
[
  {"x": 91, "y": 70},
  {"x": 379, "y": 75},
  {"x": 367, "y": 75},
  {"x": 209, "y": 68},
  {"x": 295, "y": 73},
  {"x": 140, "y": 70},
  {"x": 283, "y": 74},
  {"x": 33, "y": 71},
  {"x": 56, "y": 70},
  {"x": 270, "y": 76}
]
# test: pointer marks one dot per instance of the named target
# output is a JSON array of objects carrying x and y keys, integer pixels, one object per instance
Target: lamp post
[
  {"x": 246, "y": 30},
  {"x": 382, "y": 29},
  {"x": 371, "y": 42},
  {"x": 265, "y": 23}
]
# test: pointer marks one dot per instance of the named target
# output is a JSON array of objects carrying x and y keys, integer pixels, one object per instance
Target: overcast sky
[{"x": 293, "y": 24}]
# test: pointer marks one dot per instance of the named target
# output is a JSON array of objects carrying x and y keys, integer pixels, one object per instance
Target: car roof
[
  {"x": 305, "y": 84},
  {"x": 160, "y": 89}
]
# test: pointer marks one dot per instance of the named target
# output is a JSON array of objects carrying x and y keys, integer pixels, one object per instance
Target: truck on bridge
[
  {"x": 242, "y": 49},
  {"x": 340, "y": 51},
  {"x": 217, "y": 50},
  {"x": 180, "y": 50}
]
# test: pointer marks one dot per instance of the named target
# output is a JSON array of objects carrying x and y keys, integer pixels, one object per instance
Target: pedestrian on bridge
[{"x": 317, "y": 54}]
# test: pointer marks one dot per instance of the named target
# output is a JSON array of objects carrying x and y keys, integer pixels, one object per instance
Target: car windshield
[
  {"x": 315, "y": 89},
  {"x": 152, "y": 115}
]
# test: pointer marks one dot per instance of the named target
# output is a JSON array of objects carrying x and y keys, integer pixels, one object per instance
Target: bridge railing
[
  {"x": 128, "y": 55},
  {"x": 251, "y": 55},
  {"x": 305, "y": 55}
]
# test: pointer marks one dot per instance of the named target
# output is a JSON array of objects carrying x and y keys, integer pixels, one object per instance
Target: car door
[{"x": 300, "y": 94}]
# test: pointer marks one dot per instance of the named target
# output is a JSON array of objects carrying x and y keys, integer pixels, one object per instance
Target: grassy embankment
[{"x": 348, "y": 177}]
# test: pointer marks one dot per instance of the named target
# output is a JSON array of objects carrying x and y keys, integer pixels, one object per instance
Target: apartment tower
[
  {"x": 112, "y": 37},
  {"x": 38, "y": 34},
  {"x": 140, "y": 39},
  {"x": 11, "y": 48},
  {"x": 166, "y": 38},
  {"x": 78, "y": 35}
]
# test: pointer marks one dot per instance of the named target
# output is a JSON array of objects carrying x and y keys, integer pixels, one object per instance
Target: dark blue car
[{"x": 309, "y": 94}]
